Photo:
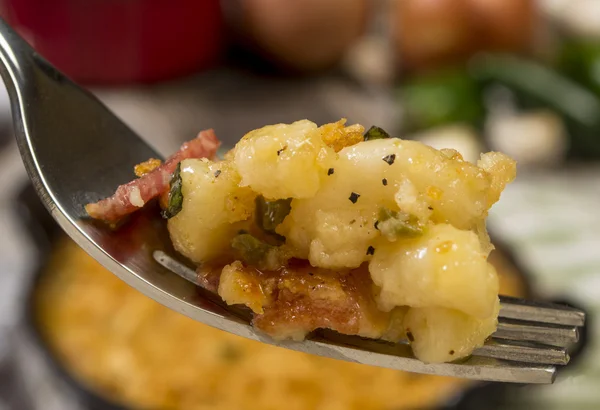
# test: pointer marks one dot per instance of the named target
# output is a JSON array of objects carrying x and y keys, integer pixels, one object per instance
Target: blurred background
[{"x": 518, "y": 76}]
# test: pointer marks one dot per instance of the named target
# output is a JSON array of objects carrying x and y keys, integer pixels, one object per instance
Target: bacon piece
[
  {"x": 134, "y": 195},
  {"x": 293, "y": 301}
]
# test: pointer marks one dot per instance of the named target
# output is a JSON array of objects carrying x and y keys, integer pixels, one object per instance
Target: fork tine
[
  {"x": 399, "y": 357},
  {"x": 175, "y": 266},
  {"x": 520, "y": 309},
  {"x": 524, "y": 353},
  {"x": 560, "y": 336}
]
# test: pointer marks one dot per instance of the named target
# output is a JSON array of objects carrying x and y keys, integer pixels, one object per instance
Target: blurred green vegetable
[
  {"x": 538, "y": 86},
  {"x": 539, "y": 83},
  {"x": 580, "y": 61},
  {"x": 440, "y": 98}
]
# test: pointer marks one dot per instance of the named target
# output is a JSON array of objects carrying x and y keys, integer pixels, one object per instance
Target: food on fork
[{"x": 334, "y": 227}]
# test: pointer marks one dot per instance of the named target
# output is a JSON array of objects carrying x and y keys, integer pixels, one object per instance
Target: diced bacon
[
  {"x": 293, "y": 301},
  {"x": 132, "y": 196}
]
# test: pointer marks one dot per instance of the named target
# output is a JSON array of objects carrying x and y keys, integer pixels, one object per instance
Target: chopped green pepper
[
  {"x": 175, "y": 195},
  {"x": 376, "y": 133},
  {"x": 396, "y": 224},
  {"x": 269, "y": 214},
  {"x": 250, "y": 249}
]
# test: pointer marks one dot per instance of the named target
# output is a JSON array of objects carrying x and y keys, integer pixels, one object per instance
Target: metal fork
[{"x": 76, "y": 151}]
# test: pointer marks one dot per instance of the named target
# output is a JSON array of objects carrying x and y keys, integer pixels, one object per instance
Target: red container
[{"x": 121, "y": 41}]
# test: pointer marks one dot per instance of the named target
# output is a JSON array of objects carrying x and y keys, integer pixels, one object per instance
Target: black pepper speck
[
  {"x": 370, "y": 250},
  {"x": 354, "y": 197},
  {"x": 376, "y": 225},
  {"x": 280, "y": 151},
  {"x": 430, "y": 208},
  {"x": 384, "y": 181},
  {"x": 451, "y": 352},
  {"x": 217, "y": 173},
  {"x": 330, "y": 171},
  {"x": 410, "y": 336},
  {"x": 389, "y": 158}
]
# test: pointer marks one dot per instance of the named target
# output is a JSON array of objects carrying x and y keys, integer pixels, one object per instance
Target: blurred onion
[
  {"x": 305, "y": 35},
  {"x": 429, "y": 32},
  {"x": 530, "y": 138},
  {"x": 580, "y": 17},
  {"x": 505, "y": 25}
]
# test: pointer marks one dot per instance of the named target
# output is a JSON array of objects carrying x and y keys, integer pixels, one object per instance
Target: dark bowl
[{"x": 44, "y": 233}]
